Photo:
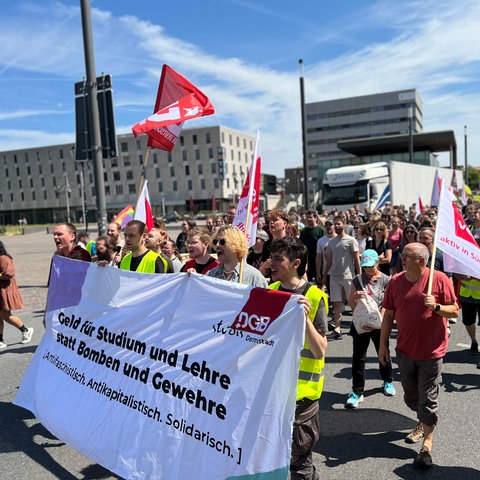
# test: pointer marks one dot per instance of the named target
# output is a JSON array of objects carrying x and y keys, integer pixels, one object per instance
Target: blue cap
[{"x": 368, "y": 258}]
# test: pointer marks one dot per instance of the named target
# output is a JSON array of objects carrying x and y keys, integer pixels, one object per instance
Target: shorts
[
  {"x": 470, "y": 312},
  {"x": 339, "y": 289}
]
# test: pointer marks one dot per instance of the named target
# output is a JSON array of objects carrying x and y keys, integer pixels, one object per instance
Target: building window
[
  {"x": 215, "y": 183},
  {"x": 119, "y": 189},
  {"x": 107, "y": 190},
  {"x": 6, "y": 173},
  {"x": 31, "y": 183},
  {"x": 208, "y": 137},
  {"x": 213, "y": 168},
  {"x": 126, "y": 160},
  {"x": 182, "y": 141},
  {"x": 43, "y": 182},
  {"x": 244, "y": 143},
  {"x": 172, "y": 171},
  {"x": 33, "y": 195},
  {"x": 140, "y": 159},
  {"x": 197, "y": 154},
  {"x": 45, "y": 195},
  {"x": 210, "y": 152},
  {"x": 170, "y": 157},
  {"x": 155, "y": 158},
  {"x": 160, "y": 187},
  {"x": 105, "y": 177},
  {"x": 131, "y": 188},
  {"x": 54, "y": 181},
  {"x": 19, "y": 184},
  {"x": 129, "y": 175},
  {"x": 202, "y": 184},
  {"x": 124, "y": 147},
  {"x": 18, "y": 171},
  {"x": 60, "y": 152},
  {"x": 194, "y": 138},
  {"x": 26, "y": 157},
  {"x": 187, "y": 170},
  {"x": 139, "y": 146},
  {"x": 238, "y": 142},
  {"x": 230, "y": 139},
  {"x": 22, "y": 195},
  {"x": 28, "y": 171},
  {"x": 157, "y": 172},
  {"x": 114, "y": 162},
  {"x": 190, "y": 185},
  {"x": 51, "y": 168},
  {"x": 116, "y": 176},
  {"x": 174, "y": 186},
  {"x": 184, "y": 155},
  {"x": 200, "y": 169}
]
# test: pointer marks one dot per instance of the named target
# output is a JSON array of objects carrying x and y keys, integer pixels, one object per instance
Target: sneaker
[
  {"x": 452, "y": 321},
  {"x": 415, "y": 435},
  {"x": 474, "y": 348},
  {"x": 3, "y": 345},
  {"x": 334, "y": 335},
  {"x": 353, "y": 400},
  {"x": 388, "y": 389},
  {"x": 331, "y": 326},
  {"x": 27, "y": 336},
  {"x": 424, "y": 458}
]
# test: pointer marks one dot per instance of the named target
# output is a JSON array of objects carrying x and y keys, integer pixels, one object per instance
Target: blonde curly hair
[{"x": 235, "y": 239}]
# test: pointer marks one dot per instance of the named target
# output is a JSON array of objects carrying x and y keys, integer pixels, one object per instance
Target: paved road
[{"x": 355, "y": 444}]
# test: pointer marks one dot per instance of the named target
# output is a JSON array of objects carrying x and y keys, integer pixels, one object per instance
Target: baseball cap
[
  {"x": 329, "y": 220},
  {"x": 262, "y": 234},
  {"x": 368, "y": 258}
]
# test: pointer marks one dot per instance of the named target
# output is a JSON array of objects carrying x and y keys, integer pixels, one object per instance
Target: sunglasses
[
  {"x": 221, "y": 242},
  {"x": 409, "y": 231},
  {"x": 379, "y": 229}
]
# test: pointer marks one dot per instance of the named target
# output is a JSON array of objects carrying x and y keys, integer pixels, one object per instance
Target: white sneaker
[
  {"x": 27, "y": 336},
  {"x": 3, "y": 345}
]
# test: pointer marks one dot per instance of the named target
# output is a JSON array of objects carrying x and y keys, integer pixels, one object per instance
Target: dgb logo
[
  {"x": 252, "y": 323},
  {"x": 262, "y": 308}
]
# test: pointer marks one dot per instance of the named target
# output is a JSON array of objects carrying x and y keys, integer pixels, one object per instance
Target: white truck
[{"x": 372, "y": 184}]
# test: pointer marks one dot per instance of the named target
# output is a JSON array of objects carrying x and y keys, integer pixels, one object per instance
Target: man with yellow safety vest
[
  {"x": 140, "y": 258},
  {"x": 288, "y": 263}
]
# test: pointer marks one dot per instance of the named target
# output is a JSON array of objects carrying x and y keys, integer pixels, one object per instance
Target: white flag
[
  {"x": 246, "y": 218},
  {"x": 143, "y": 208}
]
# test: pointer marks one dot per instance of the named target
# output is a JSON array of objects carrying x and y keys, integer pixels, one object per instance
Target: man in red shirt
[{"x": 422, "y": 338}]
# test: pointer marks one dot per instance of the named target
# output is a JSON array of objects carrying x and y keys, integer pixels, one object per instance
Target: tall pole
[
  {"x": 96, "y": 147},
  {"x": 466, "y": 155},
  {"x": 304, "y": 138}
]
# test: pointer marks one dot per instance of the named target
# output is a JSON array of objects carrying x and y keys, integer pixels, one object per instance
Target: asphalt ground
[{"x": 364, "y": 443}]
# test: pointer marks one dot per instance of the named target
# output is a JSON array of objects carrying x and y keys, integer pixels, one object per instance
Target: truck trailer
[{"x": 371, "y": 185}]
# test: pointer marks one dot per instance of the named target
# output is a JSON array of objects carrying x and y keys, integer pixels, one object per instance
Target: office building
[
  {"x": 208, "y": 165},
  {"x": 379, "y": 115}
]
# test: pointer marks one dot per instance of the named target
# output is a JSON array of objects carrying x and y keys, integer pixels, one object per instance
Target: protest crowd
[{"x": 348, "y": 268}]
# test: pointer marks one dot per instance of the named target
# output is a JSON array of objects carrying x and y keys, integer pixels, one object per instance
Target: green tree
[{"x": 473, "y": 178}]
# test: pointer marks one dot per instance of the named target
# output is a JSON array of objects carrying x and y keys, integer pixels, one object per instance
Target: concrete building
[
  {"x": 333, "y": 121},
  {"x": 208, "y": 165}
]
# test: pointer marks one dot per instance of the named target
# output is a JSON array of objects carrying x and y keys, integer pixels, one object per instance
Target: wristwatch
[{"x": 437, "y": 307}]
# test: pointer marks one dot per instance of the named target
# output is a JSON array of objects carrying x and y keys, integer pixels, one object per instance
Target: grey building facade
[
  {"x": 45, "y": 184},
  {"x": 332, "y": 121}
]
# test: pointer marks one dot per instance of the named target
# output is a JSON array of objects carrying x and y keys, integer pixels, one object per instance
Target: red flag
[
  {"x": 143, "y": 209},
  {"x": 246, "y": 217},
  {"x": 177, "y": 100},
  {"x": 419, "y": 206}
]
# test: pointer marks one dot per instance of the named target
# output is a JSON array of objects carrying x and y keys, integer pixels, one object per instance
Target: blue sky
[{"x": 244, "y": 55}]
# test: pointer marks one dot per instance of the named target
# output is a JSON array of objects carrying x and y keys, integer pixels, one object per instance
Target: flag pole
[
  {"x": 143, "y": 174},
  {"x": 432, "y": 268},
  {"x": 247, "y": 224}
]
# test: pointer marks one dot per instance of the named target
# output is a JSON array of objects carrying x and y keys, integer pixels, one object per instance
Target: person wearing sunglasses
[
  {"x": 231, "y": 246},
  {"x": 410, "y": 235}
]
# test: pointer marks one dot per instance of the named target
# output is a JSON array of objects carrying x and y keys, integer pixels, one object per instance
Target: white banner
[{"x": 167, "y": 376}]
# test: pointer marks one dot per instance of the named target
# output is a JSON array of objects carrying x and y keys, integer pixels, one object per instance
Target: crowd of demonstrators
[
  {"x": 199, "y": 243},
  {"x": 10, "y": 298},
  {"x": 106, "y": 249},
  {"x": 255, "y": 253}
]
